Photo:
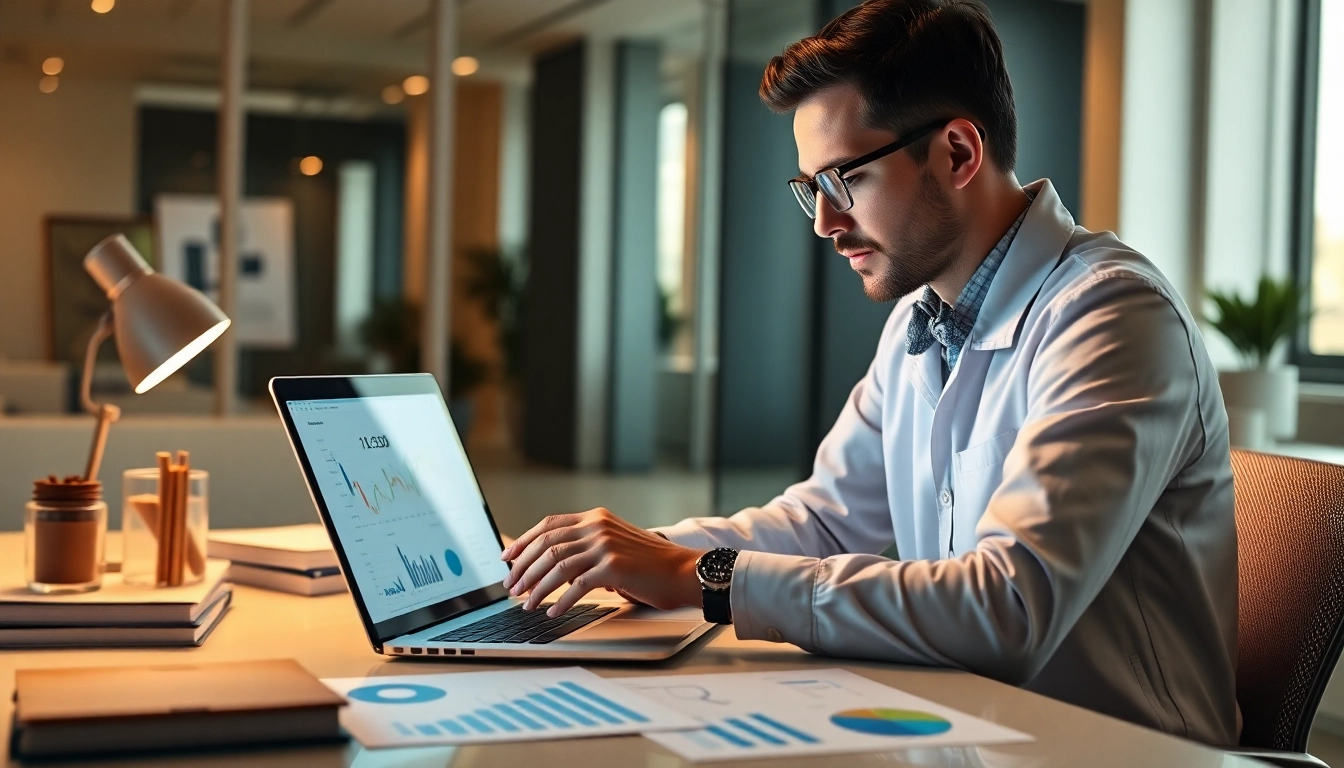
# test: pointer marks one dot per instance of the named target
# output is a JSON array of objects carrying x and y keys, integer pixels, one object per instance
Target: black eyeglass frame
[{"x": 832, "y": 182}]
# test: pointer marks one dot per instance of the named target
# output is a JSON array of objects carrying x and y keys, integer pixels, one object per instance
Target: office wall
[
  {"x": 634, "y": 299},
  {"x": 767, "y": 254},
  {"x": 550, "y": 331},
  {"x": 69, "y": 152}
]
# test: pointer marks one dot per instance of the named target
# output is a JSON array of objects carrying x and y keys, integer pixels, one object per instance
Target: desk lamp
[{"x": 160, "y": 325}]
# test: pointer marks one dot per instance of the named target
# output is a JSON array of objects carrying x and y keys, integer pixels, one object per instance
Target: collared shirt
[
  {"x": 933, "y": 320},
  {"x": 1063, "y": 511}
]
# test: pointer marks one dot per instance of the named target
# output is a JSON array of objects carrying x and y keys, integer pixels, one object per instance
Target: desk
[{"x": 324, "y": 634}]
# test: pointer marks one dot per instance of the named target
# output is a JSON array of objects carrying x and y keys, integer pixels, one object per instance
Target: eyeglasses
[{"x": 832, "y": 182}]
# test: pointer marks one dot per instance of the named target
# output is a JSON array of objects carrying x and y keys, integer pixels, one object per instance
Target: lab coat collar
[{"x": 1031, "y": 258}]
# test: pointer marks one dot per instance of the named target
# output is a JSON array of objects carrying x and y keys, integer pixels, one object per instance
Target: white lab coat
[{"x": 1062, "y": 508}]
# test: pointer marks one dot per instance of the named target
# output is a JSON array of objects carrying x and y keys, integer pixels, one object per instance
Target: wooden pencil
[{"x": 165, "y": 503}]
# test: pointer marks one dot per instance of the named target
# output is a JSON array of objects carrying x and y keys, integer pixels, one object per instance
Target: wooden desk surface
[{"x": 325, "y": 635}]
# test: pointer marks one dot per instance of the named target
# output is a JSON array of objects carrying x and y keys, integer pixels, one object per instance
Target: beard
[{"x": 928, "y": 237}]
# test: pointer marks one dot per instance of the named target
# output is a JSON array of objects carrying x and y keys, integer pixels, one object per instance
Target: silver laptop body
[{"x": 416, "y": 541}]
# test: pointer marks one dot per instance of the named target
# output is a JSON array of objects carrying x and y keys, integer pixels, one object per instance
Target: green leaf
[{"x": 1257, "y": 326}]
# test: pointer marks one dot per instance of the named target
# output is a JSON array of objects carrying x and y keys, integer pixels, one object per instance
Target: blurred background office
[{"x": 573, "y": 212}]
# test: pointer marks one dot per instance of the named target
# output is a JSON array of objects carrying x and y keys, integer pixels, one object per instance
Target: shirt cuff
[
  {"x": 772, "y": 597},
  {"x": 687, "y": 534}
]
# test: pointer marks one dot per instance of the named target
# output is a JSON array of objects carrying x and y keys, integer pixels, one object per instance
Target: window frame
[{"x": 1312, "y": 367}]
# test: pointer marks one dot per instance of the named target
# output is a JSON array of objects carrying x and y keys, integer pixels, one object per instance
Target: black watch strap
[{"x": 718, "y": 607}]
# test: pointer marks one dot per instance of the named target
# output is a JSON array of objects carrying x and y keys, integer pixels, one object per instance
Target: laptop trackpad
[{"x": 633, "y": 630}]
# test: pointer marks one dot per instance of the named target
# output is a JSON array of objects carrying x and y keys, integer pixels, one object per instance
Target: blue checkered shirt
[{"x": 931, "y": 320}]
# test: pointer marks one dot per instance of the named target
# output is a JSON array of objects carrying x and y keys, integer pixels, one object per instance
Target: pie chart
[{"x": 891, "y": 722}]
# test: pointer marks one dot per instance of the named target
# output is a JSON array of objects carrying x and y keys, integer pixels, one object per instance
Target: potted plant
[{"x": 1255, "y": 329}]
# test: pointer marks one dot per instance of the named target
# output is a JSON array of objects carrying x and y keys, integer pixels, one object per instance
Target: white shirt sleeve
[{"x": 1113, "y": 416}]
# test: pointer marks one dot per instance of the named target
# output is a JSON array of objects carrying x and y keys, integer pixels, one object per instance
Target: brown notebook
[{"x": 170, "y": 706}]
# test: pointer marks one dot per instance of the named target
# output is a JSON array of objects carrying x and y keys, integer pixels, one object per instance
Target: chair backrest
[{"x": 1290, "y": 608}]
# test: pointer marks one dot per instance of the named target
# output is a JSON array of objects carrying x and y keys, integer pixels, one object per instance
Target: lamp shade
[{"x": 160, "y": 323}]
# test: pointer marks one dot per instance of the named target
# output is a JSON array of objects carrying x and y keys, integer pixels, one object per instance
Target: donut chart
[
  {"x": 397, "y": 693},
  {"x": 891, "y": 722}
]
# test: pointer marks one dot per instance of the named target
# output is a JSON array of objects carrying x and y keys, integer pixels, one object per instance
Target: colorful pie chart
[{"x": 891, "y": 722}]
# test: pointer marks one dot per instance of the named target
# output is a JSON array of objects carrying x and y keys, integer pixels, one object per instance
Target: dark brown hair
[{"x": 913, "y": 61}]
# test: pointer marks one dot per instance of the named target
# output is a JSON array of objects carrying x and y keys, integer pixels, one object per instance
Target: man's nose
[{"x": 830, "y": 222}]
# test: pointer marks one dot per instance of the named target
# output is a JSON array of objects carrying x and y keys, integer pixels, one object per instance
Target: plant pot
[{"x": 1271, "y": 390}]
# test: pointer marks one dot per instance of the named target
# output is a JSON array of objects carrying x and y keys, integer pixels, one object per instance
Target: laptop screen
[{"x": 401, "y": 497}]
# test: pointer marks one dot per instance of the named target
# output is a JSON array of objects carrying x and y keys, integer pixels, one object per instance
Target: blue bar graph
[
  {"x": 422, "y": 571},
  {"x": 476, "y": 725},
  {"x": 564, "y": 711},
  {"x": 538, "y": 712},
  {"x": 453, "y": 728},
  {"x": 396, "y": 589},
  {"x": 604, "y": 701},
  {"x": 785, "y": 729},
  {"x": 754, "y": 731},
  {"x": 729, "y": 737},
  {"x": 527, "y": 722},
  {"x": 575, "y": 701},
  {"x": 546, "y": 709},
  {"x": 497, "y": 721}
]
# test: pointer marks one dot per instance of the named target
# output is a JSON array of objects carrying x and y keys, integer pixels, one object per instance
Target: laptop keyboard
[{"x": 518, "y": 626}]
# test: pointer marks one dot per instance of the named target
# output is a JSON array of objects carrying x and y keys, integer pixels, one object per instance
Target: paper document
[
  {"x": 480, "y": 707},
  {"x": 758, "y": 715}
]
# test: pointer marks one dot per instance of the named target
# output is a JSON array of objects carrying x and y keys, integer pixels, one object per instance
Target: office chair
[{"x": 1290, "y": 608}]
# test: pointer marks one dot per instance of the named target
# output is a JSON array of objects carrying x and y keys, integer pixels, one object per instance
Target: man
[{"x": 1040, "y": 433}]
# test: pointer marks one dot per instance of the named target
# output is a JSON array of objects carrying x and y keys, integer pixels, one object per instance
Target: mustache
[{"x": 851, "y": 241}]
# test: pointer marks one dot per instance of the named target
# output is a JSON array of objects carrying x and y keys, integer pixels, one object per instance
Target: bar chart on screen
[{"x": 514, "y": 705}]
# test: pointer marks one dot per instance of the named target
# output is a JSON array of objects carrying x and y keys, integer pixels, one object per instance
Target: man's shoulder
[{"x": 1097, "y": 267}]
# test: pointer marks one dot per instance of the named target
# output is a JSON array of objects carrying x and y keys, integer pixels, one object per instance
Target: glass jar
[
  {"x": 140, "y": 521},
  {"x": 64, "y": 529}
]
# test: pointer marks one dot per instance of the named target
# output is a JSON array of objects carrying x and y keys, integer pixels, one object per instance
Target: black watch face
[{"x": 716, "y": 567}]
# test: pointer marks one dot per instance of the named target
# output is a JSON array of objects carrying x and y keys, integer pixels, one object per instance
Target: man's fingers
[
  {"x": 519, "y": 544},
  {"x": 526, "y": 557},
  {"x": 572, "y": 569},
  {"x": 547, "y": 560},
  {"x": 583, "y": 584}
]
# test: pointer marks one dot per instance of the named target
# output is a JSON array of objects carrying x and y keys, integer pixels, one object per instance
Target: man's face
[{"x": 902, "y": 231}]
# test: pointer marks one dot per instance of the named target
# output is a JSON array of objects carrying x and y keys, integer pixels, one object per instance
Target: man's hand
[{"x": 597, "y": 549}]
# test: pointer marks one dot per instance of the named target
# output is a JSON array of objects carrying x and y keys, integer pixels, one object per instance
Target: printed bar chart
[{"x": 476, "y": 707}]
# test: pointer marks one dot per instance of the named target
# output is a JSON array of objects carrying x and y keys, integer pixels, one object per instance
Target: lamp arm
[{"x": 106, "y": 414}]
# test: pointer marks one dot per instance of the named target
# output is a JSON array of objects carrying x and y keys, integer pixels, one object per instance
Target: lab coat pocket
[
  {"x": 976, "y": 474},
  {"x": 981, "y": 455}
]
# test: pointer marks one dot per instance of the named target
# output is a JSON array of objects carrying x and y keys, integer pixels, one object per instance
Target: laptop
[{"x": 417, "y": 543}]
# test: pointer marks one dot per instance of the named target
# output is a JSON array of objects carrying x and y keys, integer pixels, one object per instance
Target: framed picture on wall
[{"x": 74, "y": 301}]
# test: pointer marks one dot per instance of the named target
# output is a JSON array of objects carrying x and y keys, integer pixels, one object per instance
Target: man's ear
[{"x": 965, "y": 151}]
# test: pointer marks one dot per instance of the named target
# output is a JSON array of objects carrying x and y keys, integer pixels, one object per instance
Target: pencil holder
[{"x": 163, "y": 550}]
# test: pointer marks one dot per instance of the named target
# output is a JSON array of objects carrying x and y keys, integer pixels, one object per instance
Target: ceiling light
[
  {"x": 415, "y": 85},
  {"x": 49, "y": 84},
  {"x": 53, "y": 66},
  {"x": 465, "y": 65},
  {"x": 310, "y": 165},
  {"x": 393, "y": 94},
  {"x": 102, "y": 6}
]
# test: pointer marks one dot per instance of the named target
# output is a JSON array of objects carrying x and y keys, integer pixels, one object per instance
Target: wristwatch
[{"x": 715, "y": 571}]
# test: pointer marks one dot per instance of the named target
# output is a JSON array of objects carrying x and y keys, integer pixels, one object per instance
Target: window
[{"x": 1321, "y": 203}]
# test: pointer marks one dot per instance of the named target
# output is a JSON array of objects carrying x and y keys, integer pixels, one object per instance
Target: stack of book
[
  {"x": 294, "y": 558},
  {"x": 116, "y": 615},
  {"x": 67, "y": 712}
]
